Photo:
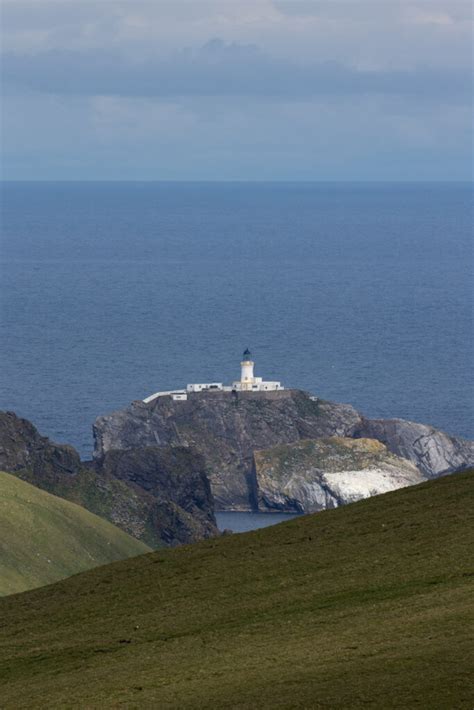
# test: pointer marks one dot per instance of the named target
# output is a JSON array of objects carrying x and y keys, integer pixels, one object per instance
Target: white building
[
  {"x": 205, "y": 387},
  {"x": 174, "y": 394},
  {"x": 247, "y": 383}
]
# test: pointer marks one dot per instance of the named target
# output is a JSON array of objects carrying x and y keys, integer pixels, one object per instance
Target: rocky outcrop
[
  {"x": 225, "y": 428},
  {"x": 175, "y": 479},
  {"x": 23, "y": 447},
  {"x": 311, "y": 475},
  {"x": 159, "y": 497},
  {"x": 432, "y": 451}
]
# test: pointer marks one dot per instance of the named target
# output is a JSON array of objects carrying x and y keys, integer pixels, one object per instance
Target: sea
[{"x": 355, "y": 292}]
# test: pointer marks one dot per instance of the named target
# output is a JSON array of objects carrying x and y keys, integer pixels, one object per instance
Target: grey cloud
[
  {"x": 219, "y": 69},
  {"x": 459, "y": 10},
  {"x": 47, "y": 13},
  {"x": 308, "y": 8}
]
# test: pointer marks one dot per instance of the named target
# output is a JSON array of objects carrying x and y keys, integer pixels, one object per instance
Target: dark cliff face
[
  {"x": 176, "y": 479},
  {"x": 21, "y": 446},
  {"x": 159, "y": 498},
  {"x": 225, "y": 428}
]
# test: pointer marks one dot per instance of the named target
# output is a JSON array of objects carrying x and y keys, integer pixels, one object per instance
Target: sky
[{"x": 236, "y": 89}]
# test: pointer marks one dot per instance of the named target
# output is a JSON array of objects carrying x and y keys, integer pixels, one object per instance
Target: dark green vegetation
[
  {"x": 44, "y": 539},
  {"x": 363, "y": 606}
]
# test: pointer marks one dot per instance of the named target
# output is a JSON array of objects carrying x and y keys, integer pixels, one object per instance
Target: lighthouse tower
[{"x": 246, "y": 371}]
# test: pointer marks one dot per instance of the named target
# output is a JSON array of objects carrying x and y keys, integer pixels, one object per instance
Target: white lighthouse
[
  {"x": 246, "y": 371},
  {"x": 247, "y": 383}
]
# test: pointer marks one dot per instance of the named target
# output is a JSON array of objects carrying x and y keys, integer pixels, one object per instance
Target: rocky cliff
[
  {"x": 312, "y": 475},
  {"x": 175, "y": 479},
  {"x": 22, "y": 447},
  {"x": 227, "y": 428},
  {"x": 176, "y": 508},
  {"x": 432, "y": 451}
]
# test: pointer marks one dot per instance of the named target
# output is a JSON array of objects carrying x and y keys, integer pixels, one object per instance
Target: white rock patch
[{"x": 355, "y": 485}]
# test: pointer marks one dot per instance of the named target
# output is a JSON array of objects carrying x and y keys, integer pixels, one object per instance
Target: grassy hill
[
  {"x": 44, "y": 538},
  {"x": 363, "y": 606}
]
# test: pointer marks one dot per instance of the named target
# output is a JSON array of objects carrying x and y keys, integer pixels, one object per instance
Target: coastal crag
[
  {"x": 177, "y": 508},
  {"x": 312, "y": 475},
  {"x": 228, "y": 428},
  {"x": 225, "y": 429}
]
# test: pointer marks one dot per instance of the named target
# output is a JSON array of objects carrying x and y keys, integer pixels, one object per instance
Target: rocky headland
[
  {"x": 161, "y": 497},
  {"x": 228, "y": 429},
  {"x": 311, "y": 475},
  {"x": 160, "y": 467},
  {"x": 432, "y": 451}
]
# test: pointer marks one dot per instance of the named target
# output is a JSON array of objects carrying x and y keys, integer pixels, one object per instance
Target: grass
[
  {"x": 108, "y": 497},
  {"x": 44, "y": 538},
  {"x": 368, "y": 605}
]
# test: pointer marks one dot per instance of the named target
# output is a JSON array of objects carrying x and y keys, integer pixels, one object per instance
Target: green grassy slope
[
  {"x": 44, "y": 538},
  {"x": 363, "y": 606}
]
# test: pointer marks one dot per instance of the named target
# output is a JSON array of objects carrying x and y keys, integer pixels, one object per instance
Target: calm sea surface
[
  {"x": 243, "y": 522},
  {"x": 357, "y": 293}
]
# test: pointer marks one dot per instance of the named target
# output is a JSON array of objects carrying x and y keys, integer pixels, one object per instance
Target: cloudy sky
[{"x": 236, "y": 89}]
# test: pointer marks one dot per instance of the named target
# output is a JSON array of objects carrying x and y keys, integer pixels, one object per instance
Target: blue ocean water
[
  {"x": 243, "y": 522},
  {"x": 359, "y": 293}
]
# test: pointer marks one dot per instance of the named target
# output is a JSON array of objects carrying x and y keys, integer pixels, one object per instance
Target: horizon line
[{"x": 242, "y": 181}]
